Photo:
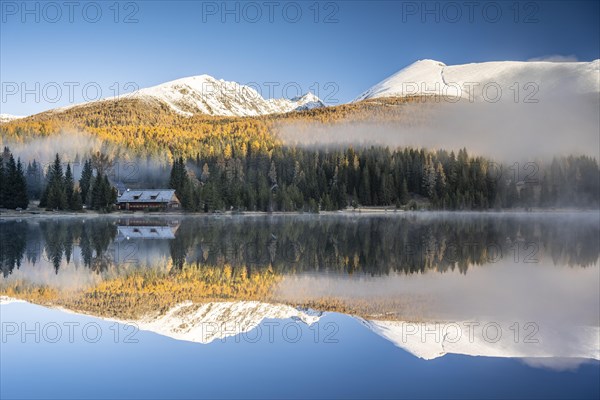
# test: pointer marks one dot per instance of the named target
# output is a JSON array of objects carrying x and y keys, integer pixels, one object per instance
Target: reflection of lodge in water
[{"x": 129, "y": 229}]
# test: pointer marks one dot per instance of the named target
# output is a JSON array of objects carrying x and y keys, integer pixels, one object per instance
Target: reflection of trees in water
[
  {"x": 55, "y": 240},
  {"x": 100, "y": 235},
  {"x": 377, "y": 245},
  {"x": 13, "y": 242},
  {"x": 93, "y": 237},
  {"x": 381, "y": 245}
]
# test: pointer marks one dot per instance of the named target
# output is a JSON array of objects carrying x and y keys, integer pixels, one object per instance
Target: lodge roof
[{"x": 146, "y": 196}]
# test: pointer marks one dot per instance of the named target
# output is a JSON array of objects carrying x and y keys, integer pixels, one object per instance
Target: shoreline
[{"x": 365, "y": 211}]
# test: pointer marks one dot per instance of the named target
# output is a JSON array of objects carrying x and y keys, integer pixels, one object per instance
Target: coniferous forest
[
  {"x": 312, "y": 180},
  {"x": 54, "y": 188},
  {"x": 299, "y": 179}
]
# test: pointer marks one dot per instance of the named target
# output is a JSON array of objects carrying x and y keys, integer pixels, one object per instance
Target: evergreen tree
[
  {"x": 14, "y": 185},
  {"x": 429, "y": 179},
  {"x": 178, "y": 175},
  {"x": 110, "y": 194},
  {"x": 2, "y": 182},
  {"x": 85, "y": 181},
  {"x": 76, "y": 203},
  {"x": 54, "y": 196},
  {"x": 103, "y": 194},
  {"x": 364, "y": 190},
  {"x": 180, "y": 181},
  {"x": 69, "y": 186},
  {"x": 20, "y": 193},
  {"x": 440, "y": 181},
  {"x": 403, "y": 197},
  {"x": 97, "y": 193},
  {"x": 34, "y": 177}
]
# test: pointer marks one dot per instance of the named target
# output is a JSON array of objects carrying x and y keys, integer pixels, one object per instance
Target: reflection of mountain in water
[
  {"x": 545, "y": 345},
  {"x": 228, "y": 261},
  {"x": 204, "y": 323},
  {"x": 208, "y": 322},
  {"x": 429, "y": 340}
]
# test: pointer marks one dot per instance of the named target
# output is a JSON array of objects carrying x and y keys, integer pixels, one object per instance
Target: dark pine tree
[
  {"x": 69, "y": 186},
  {"x": 34, "y": 177},
  {"x": 21, "y": 196},
  {"x": 2, "y": 182},
  {"x": 86, "y": 179},
  {"x": 103, "y": 194},
  {"x": 54, "y": 197},
  {"x": 15, "y": 186}
]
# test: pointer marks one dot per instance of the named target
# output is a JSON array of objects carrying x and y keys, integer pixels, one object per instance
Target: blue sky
[{"x": 336, "y": 49}]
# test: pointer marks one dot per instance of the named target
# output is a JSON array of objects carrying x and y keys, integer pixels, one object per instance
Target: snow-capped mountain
[
  {"x": 515, "y": 81},
  {"x": 8, "y": 117},
  {"x": 204, "y": 94},
  {"x": 520, "y": 80}
]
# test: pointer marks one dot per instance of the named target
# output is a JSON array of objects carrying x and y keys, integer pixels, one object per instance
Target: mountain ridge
[
  {"x": 430, "y": 77},
  {"x": 206, "y": 95},
  {"x": 209, "y": 96}
]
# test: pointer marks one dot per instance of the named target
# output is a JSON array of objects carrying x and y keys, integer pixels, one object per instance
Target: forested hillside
[
  {"x": 242, "y": 163},
  {"x": 148, "y": 128}
]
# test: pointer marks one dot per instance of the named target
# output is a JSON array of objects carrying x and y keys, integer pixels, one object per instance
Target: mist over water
[{"x": 541, "y": 292}]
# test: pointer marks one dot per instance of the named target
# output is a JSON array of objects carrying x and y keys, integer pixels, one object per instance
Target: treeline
[
  {"x": 300, "y": 179},
  {"x": 311, "y": 180}
]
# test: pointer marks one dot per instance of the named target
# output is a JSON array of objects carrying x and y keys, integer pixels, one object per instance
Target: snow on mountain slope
[
  {"x": 8, "y": 117},
  {"x": 204, "y": 323},
  {"x": 481, "y": 81},
  {"x": 429, "y": 340},
  {"x": 4, "y": 300},
  {"x": 206, "y": 95}
]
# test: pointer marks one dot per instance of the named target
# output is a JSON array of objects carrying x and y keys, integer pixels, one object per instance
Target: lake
[{"x": 380, "y": 305}]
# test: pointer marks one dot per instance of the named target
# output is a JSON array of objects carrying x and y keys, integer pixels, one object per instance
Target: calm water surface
[{"x": 395, "y": 305}]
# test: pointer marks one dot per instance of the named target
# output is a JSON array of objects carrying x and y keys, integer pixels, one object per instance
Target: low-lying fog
[{"x": 505, "y": 131}]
